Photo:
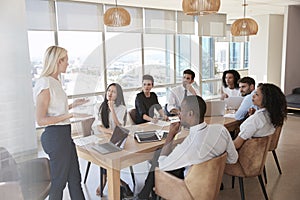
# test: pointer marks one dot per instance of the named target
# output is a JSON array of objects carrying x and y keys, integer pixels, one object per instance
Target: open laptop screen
[{"x": 119, "y": 136}]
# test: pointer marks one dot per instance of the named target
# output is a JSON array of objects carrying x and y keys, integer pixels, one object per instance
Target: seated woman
[
  {"x": 146, "y": 102},
  {"x": 272, "y": 112},
  {"x": 111, "y": 113},
  {"x": 230, "y": 84}
]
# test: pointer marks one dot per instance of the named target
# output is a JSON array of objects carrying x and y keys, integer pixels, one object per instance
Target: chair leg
[
  {"x": 132, "y": 176},
  {"x": 263, "y": 187},
  {"x": 102, "y": 181},
  {"x": 87, "y": 171},
  {"x": 232, "y": 181},
  {"x": 276, "y": 160},
  {"x": 242, "y": 188},
  {"x": 265, "y": 174}
]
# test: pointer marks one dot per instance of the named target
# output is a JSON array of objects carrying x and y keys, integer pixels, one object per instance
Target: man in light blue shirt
[{"x": 247, "y": 89}]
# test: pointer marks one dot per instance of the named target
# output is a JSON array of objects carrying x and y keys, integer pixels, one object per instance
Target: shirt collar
[
  {"x": 261, "y": 110},
  {"x": 198, "y": 127}
]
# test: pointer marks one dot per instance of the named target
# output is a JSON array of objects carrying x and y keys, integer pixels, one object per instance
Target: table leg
[{"x": 113, "y": 176}]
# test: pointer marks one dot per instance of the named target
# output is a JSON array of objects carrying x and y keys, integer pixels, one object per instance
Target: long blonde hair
[{"x": 51, "y": 58}]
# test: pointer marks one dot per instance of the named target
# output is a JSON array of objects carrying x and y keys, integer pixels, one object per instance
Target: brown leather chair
[
  {"x": 273, "y": 146},
  {"x": 132, "y": 114},
  {"x": 32, "y": 176},
  {"x": 252, "y": 158},
  {"x": 202, "y": 181}
]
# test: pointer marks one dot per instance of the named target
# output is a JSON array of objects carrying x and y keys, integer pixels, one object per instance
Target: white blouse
[
  {"x": 231, "y": 92},
  {"x": 58, "y": 104},
  {"x": 257, "y": 125},
  {"x": 121, "y": 110}
]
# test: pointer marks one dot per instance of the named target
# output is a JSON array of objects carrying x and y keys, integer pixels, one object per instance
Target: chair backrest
[
  {"x": 132, "y": 114},
  {"x": 275, "y": 138},
  {"x": 252, "y": 155},
  {"x": 8, "y": 167},
  {"x": 203, "y": 180},
  {"x": 87, "y": 126},
  {"x": 35, "y": 178}
]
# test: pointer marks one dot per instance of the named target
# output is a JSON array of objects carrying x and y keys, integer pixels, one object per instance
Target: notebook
[
  {"x": 215, "y": 108},
  {"x": 116, "y": 143},
  {"x": 233, "y": 103}
]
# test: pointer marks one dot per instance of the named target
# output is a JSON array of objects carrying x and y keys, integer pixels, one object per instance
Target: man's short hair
[
  {"x": 148, "y": 77},
  {"x": 189, "y": 71},
  {"x": 197, "y": 104},
  {"x": 248, "y": 80}
]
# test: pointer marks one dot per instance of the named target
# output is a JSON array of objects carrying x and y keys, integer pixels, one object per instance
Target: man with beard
[
  {"x": 247, "y": 89},
  {"x": 203, "y": 143}
]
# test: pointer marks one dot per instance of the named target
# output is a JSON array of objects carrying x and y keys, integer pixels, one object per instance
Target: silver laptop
[
  {"x": 233, "y": 103},
  {"x": 215, "y": 108},
  {"x": 116, "y": 143},
  {"x": 86, "y": 126}
]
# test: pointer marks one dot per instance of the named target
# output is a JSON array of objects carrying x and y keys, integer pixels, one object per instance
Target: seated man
[
  {"x": 178, "y": 93},
  {"x": 203, "y": 143},
  {"x": 247, "y": 89}
]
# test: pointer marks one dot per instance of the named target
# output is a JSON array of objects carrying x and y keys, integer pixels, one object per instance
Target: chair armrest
[{"x": 170, "y": 187}]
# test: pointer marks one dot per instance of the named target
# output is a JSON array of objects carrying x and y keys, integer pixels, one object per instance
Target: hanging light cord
[{"x": 244, "y": 5}]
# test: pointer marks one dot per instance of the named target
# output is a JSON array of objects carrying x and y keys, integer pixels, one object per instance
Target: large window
[
  {"x": 153, "y": 44},
  {"x": 85, "y": 71},
  {"x": 39, "y": 41},
  {"x": 124, "y": 59},
  {"x": 159, "y": 57}
]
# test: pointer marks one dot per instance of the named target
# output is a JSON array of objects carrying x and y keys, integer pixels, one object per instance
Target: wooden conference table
[{"x": 134, "y": 152}]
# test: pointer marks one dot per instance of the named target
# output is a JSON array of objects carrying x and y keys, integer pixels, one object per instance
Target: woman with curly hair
[
  {"x": 271, "y": 114},
  {"x": 230, "y": 84}
]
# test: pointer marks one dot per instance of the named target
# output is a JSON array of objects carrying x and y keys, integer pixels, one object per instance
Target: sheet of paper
[
  {"x": 87, "y": 140},
  {"x": 161, "y": 123},
  {"x": 230, "y": 115}
]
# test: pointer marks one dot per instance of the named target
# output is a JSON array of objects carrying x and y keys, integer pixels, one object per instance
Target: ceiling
[{"x": 233, "y": 8}]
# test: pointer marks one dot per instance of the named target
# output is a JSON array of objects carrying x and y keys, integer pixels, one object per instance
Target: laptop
[
  {"x": 116, "y": 143},
  {"x": 86, "y": 126},
  {"x": 233, "y": 103},
  {"x": 215, "y": 108}
]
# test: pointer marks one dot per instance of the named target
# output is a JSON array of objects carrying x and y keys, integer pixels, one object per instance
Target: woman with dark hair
[
  {"x": 272, "y": 112},
  {"x": 112, "y": 111},
  {"x": 146, "y": 101},
  {"x": 230, "y": 84}
]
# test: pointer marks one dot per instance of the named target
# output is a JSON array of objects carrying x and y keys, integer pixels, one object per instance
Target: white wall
[
  {"x": 266, "y": 49},
  {"x": 17, "y": 130},
  {"x": 291, "y": 63}
]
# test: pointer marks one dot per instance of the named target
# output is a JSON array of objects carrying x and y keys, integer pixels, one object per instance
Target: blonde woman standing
[{"x": 52, "y": 111}]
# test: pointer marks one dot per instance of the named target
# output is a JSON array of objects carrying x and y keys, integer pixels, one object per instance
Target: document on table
[
  {"x": 161, "y": 123},
  {"x": 230, "y": 115},
  {"x": 87, "y": 140}
]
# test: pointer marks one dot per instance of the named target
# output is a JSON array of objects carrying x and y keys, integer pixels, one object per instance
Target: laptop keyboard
[{"x": 106, "y": 148}]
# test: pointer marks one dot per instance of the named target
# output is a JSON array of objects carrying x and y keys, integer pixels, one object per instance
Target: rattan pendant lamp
[
  {"x": 116, "y": 17},
  {"x": 244, "y": 26},
  {"x": 200, "y": 7}
]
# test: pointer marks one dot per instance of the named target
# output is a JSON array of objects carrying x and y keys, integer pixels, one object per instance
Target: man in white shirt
[
  {"x": 247, "y": 89},
  {"x": 178, "y": 93},
  {"x": 203, "y": 143}
]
